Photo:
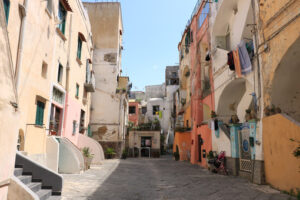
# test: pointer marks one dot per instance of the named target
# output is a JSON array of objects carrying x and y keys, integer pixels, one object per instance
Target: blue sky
[{"x": 152, "y": 31}]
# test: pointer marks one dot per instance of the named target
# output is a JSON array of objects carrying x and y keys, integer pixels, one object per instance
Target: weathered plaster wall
[
  {"x": 134, "y": 117},
  {"x": 10, "y": 118},
  {"x": 281, "y": 166},
  {"x": 183, "y": 141},
  {"x": 135, "y": 138}
]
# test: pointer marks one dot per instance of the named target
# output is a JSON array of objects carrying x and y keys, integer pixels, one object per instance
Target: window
[
  {"x": 62, "y": 15},
  {"x": 144, "y": 110},
  {"x": 81, "y": 125},
  {"x": 77, "y": 90},
  {"x": 60, "y": 73},
  {"x": 44, "y": 70},
  {"x": 58, "y": 96},
  {"x": 155, "y": 110},
  {"x": 88, "y": 72},
  {"x": 131, "y": 109},
  {"x": 74, "y": 127},
  {"x": 79, "y": 47},
  {"x": 6, "y": 9},
  {"x": 39, "y": 118},
  {"x": 203, "y": 15}
]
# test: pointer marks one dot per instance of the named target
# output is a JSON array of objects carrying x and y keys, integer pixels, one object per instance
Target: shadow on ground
[{"x": 165, "y": 179}]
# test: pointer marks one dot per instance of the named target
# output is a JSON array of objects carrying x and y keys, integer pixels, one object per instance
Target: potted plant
[
  {"x": 213, "y": 114},
  {"x": 210, "y": 159},
  {"x": 88, "y": 157},
  {"x": 176, "y": 154},
  {"x": 110, "y": 152},
  {"x": 124, "y": 154}
]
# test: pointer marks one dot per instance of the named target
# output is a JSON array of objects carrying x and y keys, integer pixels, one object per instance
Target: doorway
[
  {"x": 200, "y": 143},
  {"x": 55, "y": 120},
  {"x": 146, "y": 144}
]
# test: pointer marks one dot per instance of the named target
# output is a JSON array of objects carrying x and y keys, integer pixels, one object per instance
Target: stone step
[
  {"x": 18, "y": 171},
  {"x": 54, "y": 198},
  {"x": 25, "y": 179},
  {"x": 44, "y": 194},
  {"x": 35, "y": 186}
]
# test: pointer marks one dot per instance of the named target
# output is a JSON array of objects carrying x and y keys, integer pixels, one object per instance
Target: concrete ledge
[
  {"x": 232, "y": 165},
  {"x": 18, "y": 190}
]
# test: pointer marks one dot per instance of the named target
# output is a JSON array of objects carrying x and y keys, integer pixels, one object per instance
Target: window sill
[
  {"x": 48, "y": 13},
  {"x": 78, "y": 61},
  {"x": 39, "y": 126},
  {"x": 63, "y": 37}
]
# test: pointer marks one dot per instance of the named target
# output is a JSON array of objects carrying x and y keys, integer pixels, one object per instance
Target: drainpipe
[{"x": 23, "y": 9}]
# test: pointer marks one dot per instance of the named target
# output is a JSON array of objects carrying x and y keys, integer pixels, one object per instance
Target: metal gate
[{"x": 245, "y": 150}]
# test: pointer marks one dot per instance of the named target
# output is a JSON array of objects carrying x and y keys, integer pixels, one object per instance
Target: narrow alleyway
[{"x": 165, "y": 179}]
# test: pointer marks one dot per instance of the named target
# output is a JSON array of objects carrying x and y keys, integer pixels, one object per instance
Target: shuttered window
[
  {"x": 79, "y": 47},
  {"x": 77, "y": 90},
  {"x": 39, "y": 118},
  {"x": 62, "y": 14},
  {"x": 6, "y": 9}
]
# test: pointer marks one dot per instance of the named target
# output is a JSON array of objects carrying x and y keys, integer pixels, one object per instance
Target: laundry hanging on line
[
  {"x": 245, "y": 61},
  {"x": 237, "y": 64}
]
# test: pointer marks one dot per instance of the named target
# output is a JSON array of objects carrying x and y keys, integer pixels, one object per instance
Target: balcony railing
[{"x": 90, "y": 83}]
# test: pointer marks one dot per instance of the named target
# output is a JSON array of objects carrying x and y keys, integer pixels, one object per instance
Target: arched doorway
[{"x": 285, "y": 92}]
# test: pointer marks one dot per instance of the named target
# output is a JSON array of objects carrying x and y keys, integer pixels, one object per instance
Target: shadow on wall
[{"x": 70, "y": 157}]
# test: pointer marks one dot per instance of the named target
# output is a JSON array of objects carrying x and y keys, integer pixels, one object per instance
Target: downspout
[
  {"x": 23, "y": 9},
  {"x": 67, "y": 77},
  {"x": 260, "y": 99}
]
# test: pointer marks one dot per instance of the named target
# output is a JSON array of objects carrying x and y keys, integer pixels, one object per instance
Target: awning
[
  {"x": 82, "y": 36},
  {"x": 66, "y": 4}
]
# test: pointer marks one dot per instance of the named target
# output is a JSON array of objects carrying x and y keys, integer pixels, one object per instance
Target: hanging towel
[
  {"x": 160, "y": 114},
  {"x": 237, "y": 63},
  {"x": 230, "y": 61},
  {"x": 245, "y": 61}
]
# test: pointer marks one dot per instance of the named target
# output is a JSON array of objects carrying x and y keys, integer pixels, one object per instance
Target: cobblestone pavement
[{"x": 160, "y": 179}]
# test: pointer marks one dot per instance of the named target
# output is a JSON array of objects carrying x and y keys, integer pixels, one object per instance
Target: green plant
[
  {"x": 124, "y": 154},
  {"x": 86, "y": 152},
  {"x": 297, "y": 150},
  {"x": 210, "y": 155},
  {"x": 110, "y": 152}
]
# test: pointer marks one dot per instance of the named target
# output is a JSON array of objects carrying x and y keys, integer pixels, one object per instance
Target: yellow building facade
[{"x": 279, "y": 49}]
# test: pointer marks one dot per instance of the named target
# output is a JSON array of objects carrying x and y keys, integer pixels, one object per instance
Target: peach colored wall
[
  {"x": 72, "y": 113},
  {"x": 95, "y": 148},
  {"x": 187, "y": 116},
  {"x": 281, "y": 166},
  {"x": 183, "y": 140}
]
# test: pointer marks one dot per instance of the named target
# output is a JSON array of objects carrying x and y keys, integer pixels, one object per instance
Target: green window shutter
[
  {"x": 77, "y": 90},
  {"x": 39, "y": 119},
  {"x": 6, "y": 9},
  {"x": 79, "y": 48}
]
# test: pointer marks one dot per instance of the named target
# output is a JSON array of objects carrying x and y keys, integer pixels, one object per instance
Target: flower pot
[{"x": 87, "y": 162}]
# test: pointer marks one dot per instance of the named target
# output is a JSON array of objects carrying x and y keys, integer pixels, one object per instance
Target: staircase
[
  {"x": 45, "y": 183},
  {"x": 35, "y": 185}
]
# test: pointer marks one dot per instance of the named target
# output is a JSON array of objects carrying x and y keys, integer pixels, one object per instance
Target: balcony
[{"x": 90, "y": 85}]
